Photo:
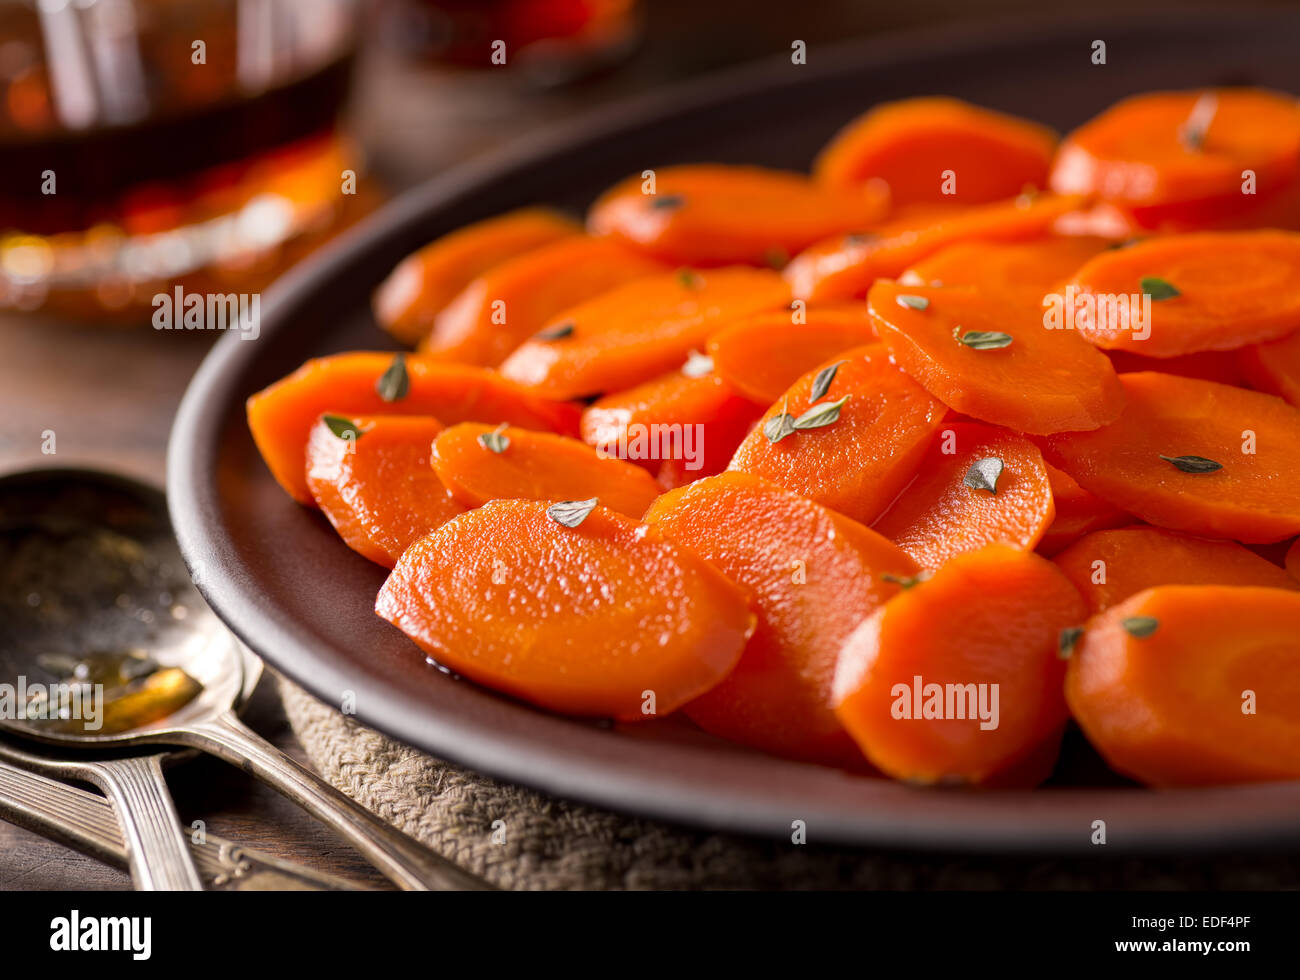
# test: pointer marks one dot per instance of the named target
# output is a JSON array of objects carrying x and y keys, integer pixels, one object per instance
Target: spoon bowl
[{"x": 111, "y": 648}]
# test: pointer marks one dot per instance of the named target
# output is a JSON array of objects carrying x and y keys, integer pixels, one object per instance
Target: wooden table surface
[{"x": 109, "y": 394}]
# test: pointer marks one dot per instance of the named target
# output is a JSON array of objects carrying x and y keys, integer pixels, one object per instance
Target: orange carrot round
[
  {"x": 852, "y": 448},
  {"x": 993, "y": 360},
  {"x": 935, "y": 150},
  {"x": 763, "y": 355},
  {"x": 508, "y": 303},
  {"x": 1109, "y": 566},
  {"x": 1023, "y": 271},
  {"x": 1078, "y": 512},
  {"x": 423, "y": 283},
  {"x": 606, "y": 618},
  {"x": 714, "y": 214},
  {"x": 1194, "y": 456},
  {"x": 813, "y": 576},
  {"x": 635, "y": 332},
  {"x": 1274, "y": 367},
  {"x": 681, "y": 426},
  {"x": 1208, "y": 292},
  {"x": 1193, "y": 685},
  {"x": 958, "y": 679},
  {"x": 845, "y": 266},
  {"x": 1179, "y": 157},
  {"x": 371, "y": 478},
  {"x": 478, "y": 463},
  {"x": 281, "y": 416},
  {"x": 978, "y": 485}
]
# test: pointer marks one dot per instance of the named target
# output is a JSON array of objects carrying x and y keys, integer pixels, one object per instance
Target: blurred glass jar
[
  {"x": 145, "y": 143},
  {"x": 550, "y": 41}
]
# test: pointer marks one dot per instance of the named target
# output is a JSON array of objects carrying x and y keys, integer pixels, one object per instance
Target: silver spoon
[{"x": 111, "y": 537}]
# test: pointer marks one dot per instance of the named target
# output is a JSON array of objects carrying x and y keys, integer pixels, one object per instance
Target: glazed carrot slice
[
  {"x": 1023, "y": 272},
  {"x": 761, "y": 356},
  {"x": 682, "y": 426},
  {"x": 1157, "y": 460},
  {"x": 714, "y": 214},
  {"x": 1193, "y": 685},
  {"x": 1109, "y": 566},
  {"x": 845, "y": 266},
  {"x": 281, "y": 416},
  {"x": 978, "y": 485},
  {"x": 957, "y": 679},
  {"x": 426, "y": 281},
  {"x": 371, "y": 477},
  {"x": 1078, "y": 512},
  {"x": 1180, "y": 156},
  {"x": 478, "y": 463},
  {"x": 936, "y": 149},
  {"x": 1209, "y": 292},
  {"x": 864, "y": 453},
  {"x": 1207, "y": 365},
  {"x": 1274, "y": 367},
  {"x": 637, "y": 331},
  {"x": 604, "y": 619},
  {"x": 510, "y": 302},
  {"x": 996, "y": 361},
  {"x": 813, "y": 576}
]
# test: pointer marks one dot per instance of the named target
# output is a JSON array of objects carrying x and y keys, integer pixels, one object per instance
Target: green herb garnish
[
  {"x": 571, "y": 513},
  {"x": 394, "y": 383},
  {"x": 1193, "y": 464},
  {"x": 1158, "y": 288},
  {"x": 495, "y": 441},
  {"x": 1140, "y": 626},
  {"x": 983, "y": 474},
  {"x": 982, "y": 339}
]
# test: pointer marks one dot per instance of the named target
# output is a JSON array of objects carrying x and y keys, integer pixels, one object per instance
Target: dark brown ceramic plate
[{"x": 276, "y": 573}]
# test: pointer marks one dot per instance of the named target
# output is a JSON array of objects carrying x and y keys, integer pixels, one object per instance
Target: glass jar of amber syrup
[{"x": 145, "y": 143}]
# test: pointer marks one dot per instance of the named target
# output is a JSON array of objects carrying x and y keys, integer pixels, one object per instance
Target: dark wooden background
[{"x": 109, "y": 393}]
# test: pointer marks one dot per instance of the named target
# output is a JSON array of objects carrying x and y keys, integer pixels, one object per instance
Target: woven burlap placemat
[{"x": 553, "y": 844}]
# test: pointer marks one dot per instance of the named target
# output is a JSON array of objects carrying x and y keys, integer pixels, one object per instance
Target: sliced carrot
[
  {"x": 1109, "y": 566},
  {"x": 1078, "y": 512},
  {"x": 1179, "y": 156},
  {"x": 845, "y": 266},
  {"x": 763, "y": 355},
  {"x": 1209, "y": 291},
  {"x": 1023, "y": 272},
  {"x": 604, "y": 619},
  {"x": 372, "y": 480},
  {"x": 958, "y": 679},
  {"x": 478, "y": 463},
  {"x": 680, "y": 426},
  {"x": 510, "y": 302},
  {"x": 1274, "y": 367},
  {"x": 1193, "y": 685},
  {"x": 859, "y": 462},
  {"x": 813, "y": 576},
  {"x": 978, "y": 485},
  {"x": 996, "y": 361},
  {"x": 281, "y": 416},
  {"x": 424, "y": 282},
  {"x": 715, "y": 214},
  {"x": 638, "y": 331},
  {"x": 1207, "y": 365},
  {"x": 1293, "y": 559},
  {"x": 936, "y": 149},
  {"x": 1169, "y": 424}
]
